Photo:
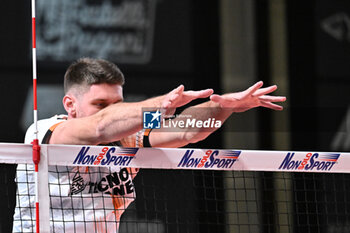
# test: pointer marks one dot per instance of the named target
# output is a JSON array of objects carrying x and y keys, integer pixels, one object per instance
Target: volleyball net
[{"x": 113, "y": 189}]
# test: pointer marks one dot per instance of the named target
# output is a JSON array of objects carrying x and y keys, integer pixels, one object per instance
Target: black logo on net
[{"x": 116, "y": 183}]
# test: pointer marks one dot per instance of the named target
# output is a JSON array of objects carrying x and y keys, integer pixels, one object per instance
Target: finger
[
  {"x": 207, "y": 92},
  {"x": 201, "y": 94},
  {"x": 179, "y": 89},
  {"x": 174, "y": 94},
  {"x": 264, "y": 91},
  {"x": 269, "y": 98},
  {"x": 198, "y": 94},
  {"x": 216, "y": 98},
  {"x": 251, "y": 90},
  {"x": 271, "y": 106}
]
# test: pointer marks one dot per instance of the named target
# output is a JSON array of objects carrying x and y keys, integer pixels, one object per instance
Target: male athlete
[{"x": 92, "y": 199}]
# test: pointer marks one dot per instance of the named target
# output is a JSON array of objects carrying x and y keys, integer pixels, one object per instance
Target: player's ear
[{"x": 69, "y": 104}]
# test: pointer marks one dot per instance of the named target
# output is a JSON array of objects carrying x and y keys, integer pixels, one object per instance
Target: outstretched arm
[
  {"x": 220, "y": 107},
  {"x": 120, "y": 119}
]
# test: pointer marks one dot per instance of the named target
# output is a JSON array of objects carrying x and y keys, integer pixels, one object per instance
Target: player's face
[{"x": 98, "y": 97}]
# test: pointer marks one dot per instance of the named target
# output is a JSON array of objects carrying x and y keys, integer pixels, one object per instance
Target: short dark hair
[{"x": 91, "y": 71}]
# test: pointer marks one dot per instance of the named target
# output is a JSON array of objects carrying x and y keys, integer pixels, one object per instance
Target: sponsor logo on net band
[
  {"x": 311, "y": 162},
  {"x": 211, "y": 159},
  {"x": 108, "y": 156}
]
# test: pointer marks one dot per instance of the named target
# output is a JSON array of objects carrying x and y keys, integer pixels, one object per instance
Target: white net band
[{"x": 162, "y": 158}]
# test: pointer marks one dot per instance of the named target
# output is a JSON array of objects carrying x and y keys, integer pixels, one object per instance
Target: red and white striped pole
[{"x": 36, "y": 147}]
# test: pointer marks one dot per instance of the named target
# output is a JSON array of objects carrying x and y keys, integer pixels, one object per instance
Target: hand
[
  {"x": 253, "y": 97},
  {"x": 179, "y": 97}
]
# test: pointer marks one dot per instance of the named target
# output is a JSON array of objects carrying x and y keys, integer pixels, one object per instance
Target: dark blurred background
[{"x": 227, "y": 45}]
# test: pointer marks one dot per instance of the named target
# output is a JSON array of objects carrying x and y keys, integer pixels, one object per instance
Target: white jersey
[{"x": 82, "y": 199}]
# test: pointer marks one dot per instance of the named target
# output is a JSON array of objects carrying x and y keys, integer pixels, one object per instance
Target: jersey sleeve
[{"x": 45, "y": 129}]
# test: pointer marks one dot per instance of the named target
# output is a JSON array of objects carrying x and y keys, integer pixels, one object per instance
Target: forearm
[
  {"x": 124, "y": 119},
  {"x": 208, "y": 111},
  {"x": 110, "y": 124}
]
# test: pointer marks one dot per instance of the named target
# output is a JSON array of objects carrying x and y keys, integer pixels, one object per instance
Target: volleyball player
[{"x": 92, "y": 199}]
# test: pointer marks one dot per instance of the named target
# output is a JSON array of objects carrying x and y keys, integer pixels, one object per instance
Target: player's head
[
  {"x": 91, "y": 85},
  {"x": 88, "y": 71}
]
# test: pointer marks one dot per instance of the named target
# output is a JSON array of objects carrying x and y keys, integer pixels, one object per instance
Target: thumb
[
  {"x": 179, "y": 89},
  {"x": 216, "y": 98}
]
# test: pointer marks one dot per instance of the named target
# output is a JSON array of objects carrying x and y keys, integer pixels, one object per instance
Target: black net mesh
[{"x": 189, "y": 201}]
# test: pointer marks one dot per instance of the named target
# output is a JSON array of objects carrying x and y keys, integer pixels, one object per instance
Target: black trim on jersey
[
  {"x": 47, "y": 137},
  {"x": 146, "y": 142}
]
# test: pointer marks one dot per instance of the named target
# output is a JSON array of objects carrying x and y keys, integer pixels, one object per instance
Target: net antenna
[{"x": 36, "y": 147}]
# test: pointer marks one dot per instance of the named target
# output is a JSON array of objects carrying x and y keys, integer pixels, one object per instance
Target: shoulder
[{"x": 44, "y": 126}]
